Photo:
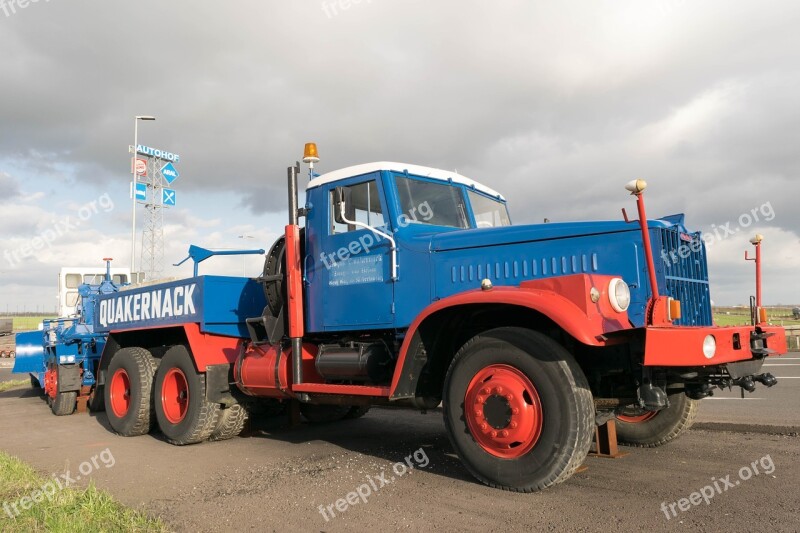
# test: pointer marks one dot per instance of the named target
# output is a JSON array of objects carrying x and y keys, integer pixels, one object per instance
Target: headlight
[
  {"x": 619, "y": 295},
  {"x": 709, "y": 346}
]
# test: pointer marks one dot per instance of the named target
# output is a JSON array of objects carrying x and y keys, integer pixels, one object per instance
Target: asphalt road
[
  {"x": 778, "y": 406},
  {"x": 277, "y": 477}
]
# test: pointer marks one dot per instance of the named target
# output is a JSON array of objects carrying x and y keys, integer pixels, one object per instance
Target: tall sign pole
[{"x": 134, "y": 173}]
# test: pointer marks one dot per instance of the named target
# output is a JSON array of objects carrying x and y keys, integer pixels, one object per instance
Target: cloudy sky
[{"x": 556, "y": 104}]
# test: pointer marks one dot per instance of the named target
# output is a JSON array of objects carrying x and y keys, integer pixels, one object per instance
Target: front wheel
[
  {"x": 184, "y": 416},
  {"x": 650, "y": 429},
  {"x": 518, "y": 410}
]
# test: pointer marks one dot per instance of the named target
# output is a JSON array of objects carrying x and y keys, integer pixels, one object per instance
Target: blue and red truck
[{"x": 409, "y": 286}]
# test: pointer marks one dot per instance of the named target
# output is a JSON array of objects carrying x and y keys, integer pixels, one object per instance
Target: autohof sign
[{"x": 158, "y": 154}]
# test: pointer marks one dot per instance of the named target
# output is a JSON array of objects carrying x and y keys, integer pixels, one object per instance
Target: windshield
[
  {"x": 426, "y": 202},
  {"x": 489, "y": 213}
]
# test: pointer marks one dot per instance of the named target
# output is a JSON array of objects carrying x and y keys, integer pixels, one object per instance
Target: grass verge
[
  {"x": 13, "y": 384},
  {"x": 66, "y": 510}
]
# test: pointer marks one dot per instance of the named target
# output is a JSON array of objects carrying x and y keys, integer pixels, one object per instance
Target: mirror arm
[{"x": 377, "y": 232}]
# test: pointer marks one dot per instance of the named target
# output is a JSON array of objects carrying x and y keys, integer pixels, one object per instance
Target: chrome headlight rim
[
  {"x": 619, "y": 302},
  {"x": 709, "y": 346}
]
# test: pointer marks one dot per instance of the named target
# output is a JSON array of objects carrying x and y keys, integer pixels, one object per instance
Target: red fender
[{"x": 566, "y": 300}]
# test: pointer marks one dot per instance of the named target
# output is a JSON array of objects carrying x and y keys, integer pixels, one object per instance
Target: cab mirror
[{"x": 339, "y": 204}]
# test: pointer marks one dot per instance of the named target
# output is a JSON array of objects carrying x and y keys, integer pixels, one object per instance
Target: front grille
[{"x": 683, "y": 258}]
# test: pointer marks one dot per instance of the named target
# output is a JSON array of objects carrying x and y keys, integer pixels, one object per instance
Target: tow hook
[
  {"x": 766, "y": 379},
  {"x": 748, "y": 383}
]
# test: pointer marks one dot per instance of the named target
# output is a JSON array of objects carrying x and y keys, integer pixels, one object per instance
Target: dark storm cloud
[{"x": 556, "y": 105}]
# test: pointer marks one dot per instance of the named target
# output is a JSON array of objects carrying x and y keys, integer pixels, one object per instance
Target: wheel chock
[{"x": 605, "y": 441}]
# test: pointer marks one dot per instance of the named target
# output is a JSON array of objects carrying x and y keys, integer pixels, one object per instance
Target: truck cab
[
  {"x": 437, "y": 233},
  {"x": 362, "y": 278}
]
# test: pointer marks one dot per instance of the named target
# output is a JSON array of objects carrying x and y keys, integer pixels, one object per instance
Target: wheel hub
[
  {"x": 497, "y": 411},
  {"x": 175, "y": 395},
  {"x": 503, "y": 411},
  {"x": 120, "y": 393}
]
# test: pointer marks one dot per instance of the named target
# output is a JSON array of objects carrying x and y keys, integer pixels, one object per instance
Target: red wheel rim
[
  {"x": 119, "y": 393},
  {"x": 503, "y": 411},
  {"x": 51, "y": 382},
  {"x": 637, "y": 419},
  {"x": 175, "y": 395}
]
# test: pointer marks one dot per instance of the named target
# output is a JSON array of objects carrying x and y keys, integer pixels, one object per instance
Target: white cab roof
[{"x": 414, "y": 170}]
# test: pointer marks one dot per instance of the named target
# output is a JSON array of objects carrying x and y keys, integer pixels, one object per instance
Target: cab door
[{"x": 354, "y": 262}]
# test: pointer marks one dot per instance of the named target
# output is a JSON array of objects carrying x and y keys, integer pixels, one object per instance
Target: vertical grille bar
[{"x": 686, "y": 275}]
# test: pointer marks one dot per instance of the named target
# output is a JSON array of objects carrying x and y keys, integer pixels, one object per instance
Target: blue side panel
[
  {"x": 30, "y": 353},
  {"x": 229, "y": 302},
  {"x": 617, "y": 254},
  {"x": 219, "y": 304}
]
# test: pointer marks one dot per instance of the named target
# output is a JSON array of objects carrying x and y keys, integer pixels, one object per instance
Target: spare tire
[{"x": 275, "y": 265}]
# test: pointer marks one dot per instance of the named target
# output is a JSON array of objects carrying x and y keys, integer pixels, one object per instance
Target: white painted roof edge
[{"x": 416, "y": 170}]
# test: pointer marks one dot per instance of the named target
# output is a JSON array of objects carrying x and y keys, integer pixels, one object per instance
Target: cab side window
[{"x": 363, "y": 205}]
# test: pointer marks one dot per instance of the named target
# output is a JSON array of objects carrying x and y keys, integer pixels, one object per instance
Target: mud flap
[
  {"x": 218, "y": 389},
  {"x": 69, "y": 378}
]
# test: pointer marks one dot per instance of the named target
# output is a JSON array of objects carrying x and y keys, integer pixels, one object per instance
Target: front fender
[{"x": 566, "y": 300}]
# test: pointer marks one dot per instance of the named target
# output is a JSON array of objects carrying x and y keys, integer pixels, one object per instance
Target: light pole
[
  {"x": 244, "y": 257},
  {"x": 133, "y": 188}
]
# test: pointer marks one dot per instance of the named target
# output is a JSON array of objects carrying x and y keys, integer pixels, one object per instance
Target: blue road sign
[
  {"x": 168, "y": 196},
  {"x": 141, "y": 191},
  {"x": 170, "y": 173}
]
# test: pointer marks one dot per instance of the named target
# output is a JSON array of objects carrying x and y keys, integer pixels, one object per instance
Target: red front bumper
[{"x": 683, "y": 346}]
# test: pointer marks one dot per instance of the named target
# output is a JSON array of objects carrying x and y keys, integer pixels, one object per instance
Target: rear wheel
[
  {"x": 649, "y": 429},
  {"x": 128, "y": 391},
  {"x": 64, "y": 403},
  {"x": 96, "y": 403},
  {"x": 231, "y": 422},
  {"x": 184, "y": 416},
  {"x": 518, "y": 409}
]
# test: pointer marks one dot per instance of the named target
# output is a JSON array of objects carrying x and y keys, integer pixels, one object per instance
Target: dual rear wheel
[{"x": 142, "y": 392}]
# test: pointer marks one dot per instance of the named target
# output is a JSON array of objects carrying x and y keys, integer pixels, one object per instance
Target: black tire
[
  {"x": 2, "y": 353},
  {"x": 138, "y": 366},
  {"x": 322, "y": 414},
  {"x": 184, "y": 417},
  {"x": 35, "y": 382},
  {"x": 230, "y": 423},
  {"x": 64, "y": 403},
  {"x": 661, "y": 427},
  {"x": 520, "y": 359},
  {"x": 12, "y": 353},
  {"x": 357, "y": 411},
  {"x": 275, "y": 265},
  {"x": 96, "y": 401}
]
